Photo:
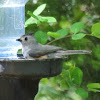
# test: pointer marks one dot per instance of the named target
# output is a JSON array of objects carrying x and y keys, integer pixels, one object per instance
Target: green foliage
[
  {"x": 59, "y": 34},
  {"x": 53, "y": 34},
  {"x": 73, "y": 75},
  {"x": 77, "y": 75},
  {"x": 82, "y": 92},
  {"x": 75, "y": 28},
  {"x": 78, "y": 36},
  {"x": 37, "y": 19},
  {"x": 96, "y": 52},
  {"x": 94, "y": 87},
  {"x": 19, "y": 51},
  {"x": 48, "y": 19},
  {"x": 33, "y": 15},
  {"x": 47, "y": 92},
  {"x": 67, "y": 76},
  {"x": 96, "y": 30},
  {"x": 62, "y": 32},
  {"x": 39, "y": 9},
  {"x": 64, "y": 85},
  {"x": 41, "y": 37}
]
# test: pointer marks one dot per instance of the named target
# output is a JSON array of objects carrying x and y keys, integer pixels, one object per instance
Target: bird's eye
[{"x": 26, "y": 38}]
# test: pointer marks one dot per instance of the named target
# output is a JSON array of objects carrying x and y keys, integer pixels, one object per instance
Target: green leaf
[
  {"x": 39, "y": 10},
  {"x": 62, "y": 32},
  {"x": 42, "y": 19},
  {"x": 82, "y": 92},
  {"x": 64, "y": 85},
  {"x": 71, "y": 70},
  {"x": 44, "y": 80},
  {"x": 77, "y": 75},
  {"x": 78, "y": 36},
  {"x": 94, "y": 90},
  {"x": 93, "y": 85},
  {"x": 66, "y": 75},
  {"x": 37, "y": 19},
  {"x": 53, "y": 34},
  {"x": 77, "y": 27},
  {"x": 96, "y": 30},
  {"x": 31, "y": 14},
  {"x": 30, "y": 21},
  {"x": 34, "y": 19},
  {"x": 41, "y": 37},
  {"x": 19, "y": 51},
  {"x": 49, "y": 19}
]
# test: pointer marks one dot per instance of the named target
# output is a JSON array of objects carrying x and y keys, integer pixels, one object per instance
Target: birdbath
[{"x": 19, "y": 78}]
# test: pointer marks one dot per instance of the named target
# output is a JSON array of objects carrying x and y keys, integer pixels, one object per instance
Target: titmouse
[{"x": 32, "y": 49}]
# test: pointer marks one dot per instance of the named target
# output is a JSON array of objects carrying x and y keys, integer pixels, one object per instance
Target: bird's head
[{"x": 27, "y": 40}]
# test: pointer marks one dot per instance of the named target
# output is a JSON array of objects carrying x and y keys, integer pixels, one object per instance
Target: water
[
  {"x": 9, "y": 47},
  {"x": 12, "y": 18}
]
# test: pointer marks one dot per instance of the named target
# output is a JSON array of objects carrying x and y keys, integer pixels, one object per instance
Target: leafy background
[{"x": 79, "y": 21}]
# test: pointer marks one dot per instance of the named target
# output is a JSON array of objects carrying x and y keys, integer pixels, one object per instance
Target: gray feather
[
  {"x": 41, "y": 50},
  {"x": 67, "y": 52}
]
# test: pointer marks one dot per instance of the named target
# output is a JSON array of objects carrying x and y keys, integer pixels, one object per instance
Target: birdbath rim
[{"x": 31, "y": 69}]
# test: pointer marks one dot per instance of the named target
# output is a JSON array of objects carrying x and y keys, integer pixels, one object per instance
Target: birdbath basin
[{"x": 22, "y": 68}]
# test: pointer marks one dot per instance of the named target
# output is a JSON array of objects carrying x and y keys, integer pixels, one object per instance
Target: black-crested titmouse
[{"x": 32, "y": 49}]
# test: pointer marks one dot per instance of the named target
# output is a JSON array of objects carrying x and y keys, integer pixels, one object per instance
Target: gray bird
[{"x": 32, "y": 49}]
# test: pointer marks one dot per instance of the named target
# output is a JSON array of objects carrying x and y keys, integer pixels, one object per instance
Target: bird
[{"x": 31, "y": 49}]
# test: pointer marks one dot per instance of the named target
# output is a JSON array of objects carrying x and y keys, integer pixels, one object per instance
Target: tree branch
[{"x": 59, "y": 39}]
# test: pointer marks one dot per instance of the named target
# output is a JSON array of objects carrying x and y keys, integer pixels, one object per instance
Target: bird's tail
[{"x": 68, "y": 52}]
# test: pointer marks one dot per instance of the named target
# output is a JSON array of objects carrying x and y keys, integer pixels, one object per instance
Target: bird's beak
[{"x": 18, "y": 40}]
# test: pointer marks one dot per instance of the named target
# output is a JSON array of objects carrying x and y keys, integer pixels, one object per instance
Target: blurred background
[{"x": 68, "y": 12}]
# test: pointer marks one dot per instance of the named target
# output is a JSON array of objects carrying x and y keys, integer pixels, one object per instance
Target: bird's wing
[{"x": 43, "y": 50}]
